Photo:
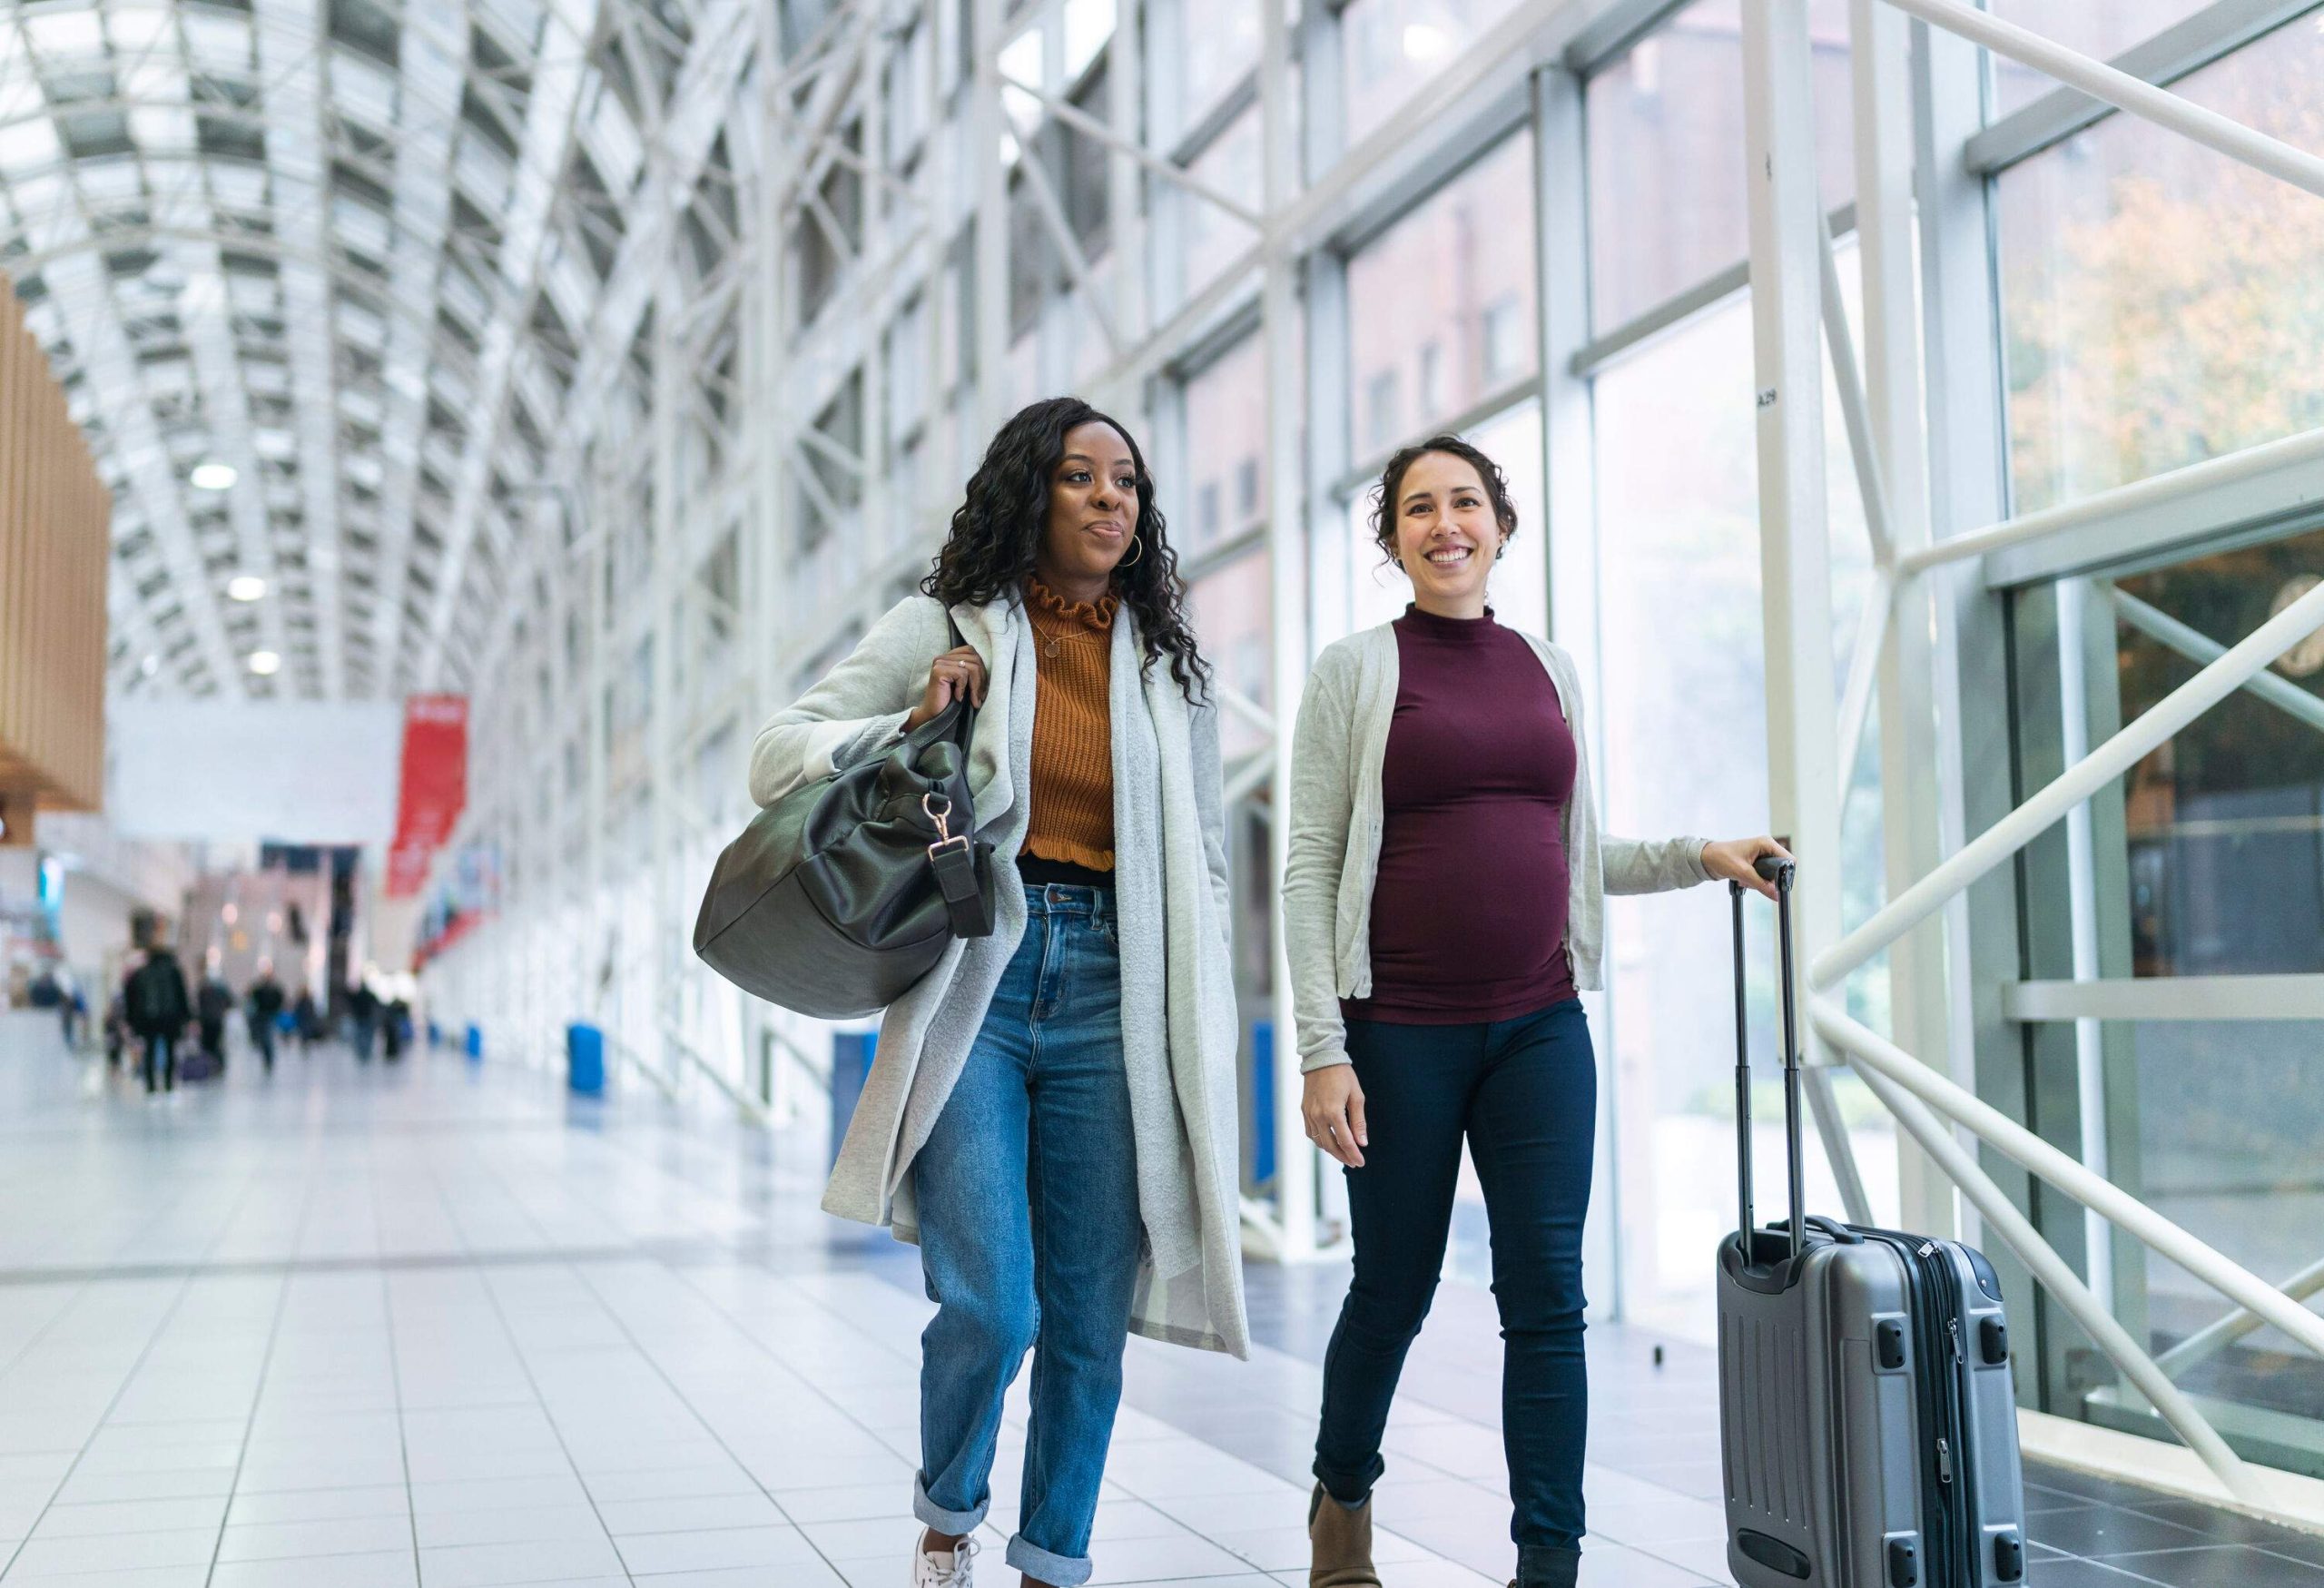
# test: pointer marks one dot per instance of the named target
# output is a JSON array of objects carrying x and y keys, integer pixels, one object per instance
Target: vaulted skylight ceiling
[{"x": 356, "y": 252}]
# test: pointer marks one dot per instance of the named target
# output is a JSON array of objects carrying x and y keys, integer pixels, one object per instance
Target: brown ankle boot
[{"x": 1340, "y": 1541}]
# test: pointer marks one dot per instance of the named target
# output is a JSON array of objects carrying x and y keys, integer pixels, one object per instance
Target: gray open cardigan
[
  {"x": 1179, "y": 1024},
  {"x": 1337, "y": 818}
]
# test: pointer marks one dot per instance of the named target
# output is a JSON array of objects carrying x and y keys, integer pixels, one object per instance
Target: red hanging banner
[{"x": 434, "y": 786}]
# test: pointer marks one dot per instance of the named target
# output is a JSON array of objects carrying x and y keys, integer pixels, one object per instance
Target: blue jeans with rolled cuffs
[
  {"x": 1524, "y": 1094},
  {"x": 1029, "y": 1238}
]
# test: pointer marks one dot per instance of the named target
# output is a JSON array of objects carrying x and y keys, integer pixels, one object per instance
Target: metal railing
[{"x": 1789, "y": 247}]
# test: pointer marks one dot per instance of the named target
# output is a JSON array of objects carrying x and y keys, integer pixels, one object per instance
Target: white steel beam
[
  {"x": 1129, "y": 148},
  {"x": 2214, "y": 1338},
  {"x": 552, "y": 121},
  {"x": 984, "y": 125},
  {"x": 704, "y": 102},
  {"x": 2058, "y": 1277},
  {"x": 1296, "y": 1159},
  {"x": 1068, "y": 247},
  {"x": 1872, "y": 1052},
  {"x": 2202, "y": 650},
  {"x": 431, "y": 56},
  {"x": 2110, "y": 760},
  {"x": 291, "y": 53},
  {"x": 2209, "y": 34},
  {"x": 206, "y": 314},
  {"x": 1787, "y": 235},
  {"x": 1914, "y": 676},
  {"x": 2176, "y": 487},
  {"x": 2119, "y": 89},
  {"x": 2167, "y": 998},
  {"x": 84, "y": 295}
]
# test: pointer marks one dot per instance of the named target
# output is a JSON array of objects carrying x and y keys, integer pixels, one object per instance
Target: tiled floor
[{"x": 441, "y": 1326}]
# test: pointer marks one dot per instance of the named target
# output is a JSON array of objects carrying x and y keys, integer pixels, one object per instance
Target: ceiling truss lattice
[{"x": 359, "y": 251}]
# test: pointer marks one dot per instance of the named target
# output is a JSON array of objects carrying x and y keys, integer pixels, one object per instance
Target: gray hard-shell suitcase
[{"x": 1866, "y": 1417}]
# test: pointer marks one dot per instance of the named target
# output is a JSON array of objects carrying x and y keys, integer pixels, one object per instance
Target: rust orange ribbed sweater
[{"x": 1072, "y": 818}]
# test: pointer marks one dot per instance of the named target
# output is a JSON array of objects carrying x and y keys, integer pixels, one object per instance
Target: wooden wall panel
[{"x": 55, "y": 518}]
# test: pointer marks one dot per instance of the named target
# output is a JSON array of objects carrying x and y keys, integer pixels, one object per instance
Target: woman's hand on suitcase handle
[
  {"x": 954, "y": 674},
  {"x": 1734, "y": 860},
  {"x": 1333, "y": 1106}
]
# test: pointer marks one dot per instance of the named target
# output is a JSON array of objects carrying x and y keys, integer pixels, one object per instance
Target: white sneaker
[{"x": 954, "y": 1569}]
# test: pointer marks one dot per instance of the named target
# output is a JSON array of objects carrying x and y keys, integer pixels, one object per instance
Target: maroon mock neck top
[{"x": 1468, "y": 909}]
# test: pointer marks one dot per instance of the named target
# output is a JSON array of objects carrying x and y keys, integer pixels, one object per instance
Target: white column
[
  {"x": 1910, "y": 679},
  {"x": 1787, "y": 228},
  {"x": 1562, "y": 244},
  {"x": 983, "y": 126},
  {"x": 1295, "y": 1157},
  {"x": 661, "y": 631},
  {"x": 1126, "y": 216}
]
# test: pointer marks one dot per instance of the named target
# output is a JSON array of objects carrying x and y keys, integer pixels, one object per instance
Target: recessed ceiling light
[
  {"x": 265, "y": 663},
  {"x": 212, "y": 475},
  {"x": 246, "y": 587},
  {"x": 149, "y": 666}
]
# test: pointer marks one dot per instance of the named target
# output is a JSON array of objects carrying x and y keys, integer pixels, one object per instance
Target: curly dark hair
[
  {"x": 1392, "y": 481},
  {"x": 998, "y": 529}
]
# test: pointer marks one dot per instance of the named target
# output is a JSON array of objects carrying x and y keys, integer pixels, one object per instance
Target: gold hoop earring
[{"x": 1137, "y": 547}]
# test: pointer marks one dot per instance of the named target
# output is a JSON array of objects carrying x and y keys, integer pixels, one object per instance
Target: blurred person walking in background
[
  {"x": 264, "y": 1002},
  {"x": 363, "y": 1010},
  {"x": 159, "y": 1010},
  {"x": 212, "y": 1005}
]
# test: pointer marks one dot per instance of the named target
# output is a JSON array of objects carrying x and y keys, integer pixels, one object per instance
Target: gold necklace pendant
[{"x": 1051, "y": 648}]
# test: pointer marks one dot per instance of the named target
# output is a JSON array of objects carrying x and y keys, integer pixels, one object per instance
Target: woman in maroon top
[{"x": 1471, "y": 1025}]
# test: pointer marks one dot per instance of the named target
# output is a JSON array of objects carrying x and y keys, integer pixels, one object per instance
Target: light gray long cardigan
[
  {"x": 1336, "y": 820},
  {"x": 1179, "y": 1025}
]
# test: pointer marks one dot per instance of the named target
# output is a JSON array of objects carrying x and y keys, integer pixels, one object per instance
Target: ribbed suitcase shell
[{"x": 1867, "y": 1422}]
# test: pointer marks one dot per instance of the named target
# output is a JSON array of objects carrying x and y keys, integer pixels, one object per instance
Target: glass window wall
[
  {"x": 1234, "y": 620},
  {"x": 1390, "y": 47},
  {"x": 2225, "y": 825},
  {"x": 1681, "y": 702},
  {"x": 2102, "y": 32},
  {"x": 1218, "y": 43},
  {"x": 1442, "y": 305},
  {"x": 2160, "y": 304},
  {"x": 1219, "y": 497},
  {"x": 1211, "y": 238},
  {"x": 2206, "y": 859},
  {"x": 1665, "y": 128}
]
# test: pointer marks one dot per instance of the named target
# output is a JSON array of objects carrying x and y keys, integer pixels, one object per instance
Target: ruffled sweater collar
[{"x": 1096, "y": 615}]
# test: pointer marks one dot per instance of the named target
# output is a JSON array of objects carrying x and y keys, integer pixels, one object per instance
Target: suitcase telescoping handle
[{"x": 1780, "y": 871}]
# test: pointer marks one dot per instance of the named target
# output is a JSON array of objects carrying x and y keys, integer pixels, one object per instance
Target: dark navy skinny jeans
[{"x": 1525, "y": 1092}]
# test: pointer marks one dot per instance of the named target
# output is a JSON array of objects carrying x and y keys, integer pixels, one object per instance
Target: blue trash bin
[
  {"x": 851, "y": 1054},
  {"x": 475, "y": 1043},
  {"x": 1262, "y": 1101},
  {"x": 585, "y": 1060}
]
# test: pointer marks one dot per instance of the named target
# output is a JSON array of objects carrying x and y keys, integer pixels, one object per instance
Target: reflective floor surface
[{"x": 439, "y": 1326}]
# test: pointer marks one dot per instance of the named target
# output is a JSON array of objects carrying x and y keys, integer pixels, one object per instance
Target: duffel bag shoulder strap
[{"x": 953, "y": 855}]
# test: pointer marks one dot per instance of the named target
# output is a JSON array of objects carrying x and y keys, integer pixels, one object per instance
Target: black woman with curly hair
[{"x": 1051, "y": 1113}]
